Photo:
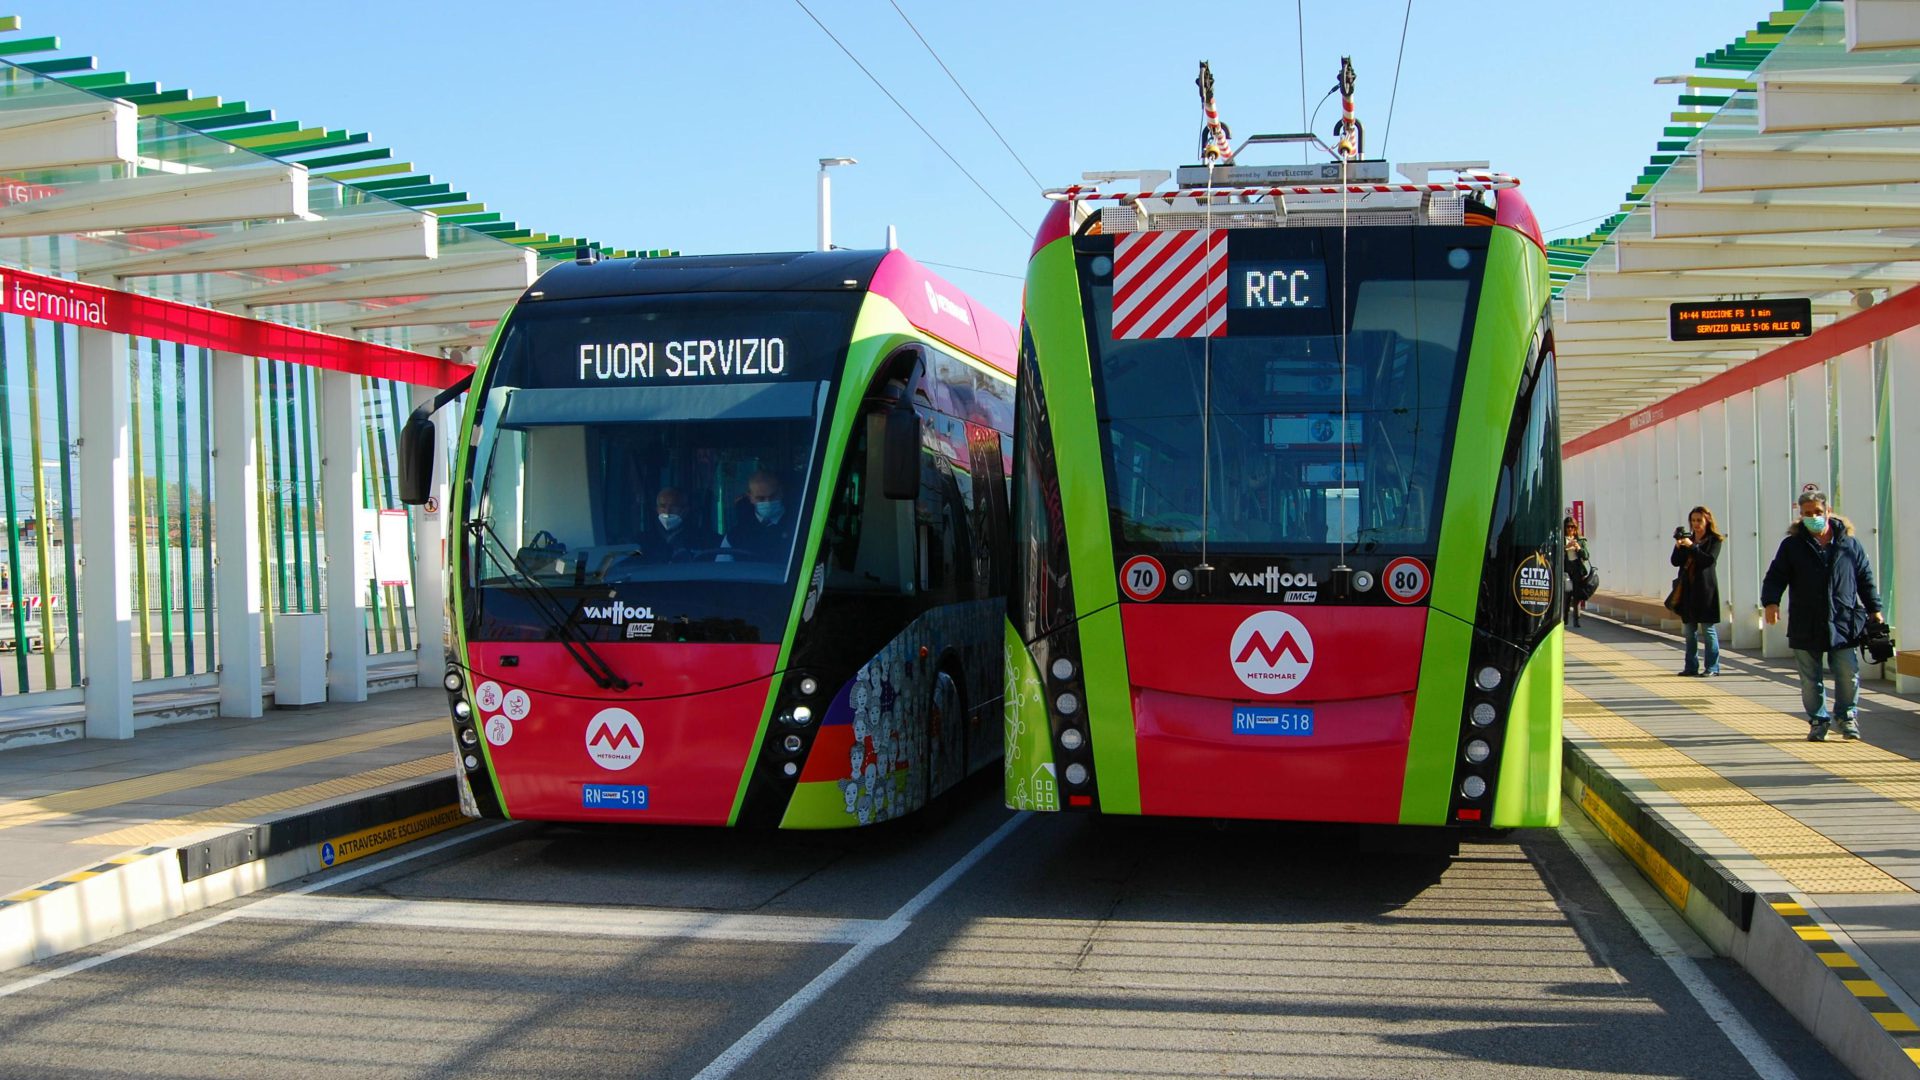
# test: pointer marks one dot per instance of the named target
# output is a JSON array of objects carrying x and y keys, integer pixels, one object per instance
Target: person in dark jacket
[
  {"x": 1579, "y": 563},
  {"x": 1825, "y": 573},
  {"x": 764, "y": 530},
  {"x": 1695, "y": 554}
]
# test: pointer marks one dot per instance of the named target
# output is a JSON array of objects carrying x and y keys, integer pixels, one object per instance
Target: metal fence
[{"x": 172, "y": 509}]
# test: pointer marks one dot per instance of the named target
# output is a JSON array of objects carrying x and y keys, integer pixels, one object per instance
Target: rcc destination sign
[{"x": 1730, "y": 320}]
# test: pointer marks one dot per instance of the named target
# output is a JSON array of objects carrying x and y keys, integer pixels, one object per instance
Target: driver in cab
[
  {"x": 668, "y": 537},
  {"x": 763, "y": 532}
]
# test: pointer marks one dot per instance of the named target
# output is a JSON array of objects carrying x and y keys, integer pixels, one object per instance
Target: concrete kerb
[
  {"x": 151, "y": 885},
  {"x": 1777, "y": 938}
]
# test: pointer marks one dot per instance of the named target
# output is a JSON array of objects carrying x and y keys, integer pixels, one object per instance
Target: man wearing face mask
[
  {"x": 668, "y": 537},
  {"x": 1825, "y": 572},
  {"x": 765, "y": 533}
]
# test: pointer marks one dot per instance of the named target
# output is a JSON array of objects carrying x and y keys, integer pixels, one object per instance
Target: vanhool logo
[
  {"x": 1271, "y": 652},
  {"x": 617, "y": 613},
  {"x": 614, "y": 739},
  {"x": 1272, "y": 580}
]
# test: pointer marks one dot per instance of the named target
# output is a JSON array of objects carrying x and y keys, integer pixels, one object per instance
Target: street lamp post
[{"x": 826, "y": 200}]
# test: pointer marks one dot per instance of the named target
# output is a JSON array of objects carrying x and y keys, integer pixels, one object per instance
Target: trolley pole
[{"x": 826, "y": 200}]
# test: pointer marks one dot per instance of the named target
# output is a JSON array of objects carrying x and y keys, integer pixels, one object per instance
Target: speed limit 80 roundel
[
  {"x": 1142, "y": 577},
  {"x": 1406, "y": 580}
]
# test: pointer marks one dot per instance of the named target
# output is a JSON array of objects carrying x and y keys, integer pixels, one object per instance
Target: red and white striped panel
[{"x": 1170, "y": 284}]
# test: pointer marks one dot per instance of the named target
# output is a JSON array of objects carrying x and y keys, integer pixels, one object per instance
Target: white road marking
[
  {"x": 736, "y": 1055},
  {"x": 326, "y": 882},
  {"x": 538, "y": 918},
  {"x": 1766, "y": 1064}
]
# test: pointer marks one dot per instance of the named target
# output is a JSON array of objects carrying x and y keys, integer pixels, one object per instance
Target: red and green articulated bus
[
  {"x": 730, "y": 543},
  {"x": 1287, "y": 512}
]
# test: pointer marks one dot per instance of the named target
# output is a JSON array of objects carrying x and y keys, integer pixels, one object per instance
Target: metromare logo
[
  {"x": 1271, "y": 652},
  {"x": 614, "y": 739}
]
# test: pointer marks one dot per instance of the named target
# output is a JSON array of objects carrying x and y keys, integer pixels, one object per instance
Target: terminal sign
[{"x": 1729, "y": 320}]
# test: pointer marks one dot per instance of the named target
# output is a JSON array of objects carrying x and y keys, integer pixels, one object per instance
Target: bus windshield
[
  {"x": 667, "y": 483},
  {"x": 1258, "y": 441},
  {"x": 657, "y": 451}
]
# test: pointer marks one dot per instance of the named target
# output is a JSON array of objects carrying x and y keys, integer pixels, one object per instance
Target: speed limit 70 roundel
[
  {"x": 1142, "y": 577},
  {"x": 1406, "y": 580}
]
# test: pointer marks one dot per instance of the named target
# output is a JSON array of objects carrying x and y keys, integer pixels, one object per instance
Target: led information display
[
  {"x": 1729, "y": 320},
  {"x": 1271, "y": 286}
]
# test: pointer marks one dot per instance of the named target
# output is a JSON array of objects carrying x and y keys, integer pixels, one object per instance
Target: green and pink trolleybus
[
  {"x": 730, "y": 542},
  {"x": 1288, "y": 500}
]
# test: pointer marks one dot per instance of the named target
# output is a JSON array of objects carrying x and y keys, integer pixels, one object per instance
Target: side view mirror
[
  {"x": 900, "y": 455},
  {"x": 416, "y": 460}
]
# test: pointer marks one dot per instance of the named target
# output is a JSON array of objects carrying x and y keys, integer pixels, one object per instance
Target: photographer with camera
[
  {"x": 1696, "y": 548},
  {"x": 1826, "y": 572}
]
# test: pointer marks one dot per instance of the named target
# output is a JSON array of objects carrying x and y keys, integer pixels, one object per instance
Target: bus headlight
[
  {"x": 1473, "y": 787},
  {"x": 1484, "y": 714},
  {"x": 467, "y": 736},
  {"x": 452, "y": 682},
  {"x": 791, "y": 768},
  {"x": 809, "y": 686},
  {"x": 1067, "y": 704},
  {"x": 791, "y": 744},
  {"x": 1478, "y": 751},
  {"x": 1487, "y": 678},
  {"x": 800, "y": 716},
  {"x": 1076, "y": 773},
  {"x": 472, "y": 762},
  {"x": 1062, "y": 668},
  {"x": 462, "y": 710},
  {"x": 1071, "y": 738},
  {"x": 1363, "y": 581}
]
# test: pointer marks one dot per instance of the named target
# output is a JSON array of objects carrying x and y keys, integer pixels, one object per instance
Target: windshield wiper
[{"x": 552, "y": 612}]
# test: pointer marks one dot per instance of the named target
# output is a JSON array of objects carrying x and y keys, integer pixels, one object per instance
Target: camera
[
  {"x": 1878, "y": 642},
  {"x": 1680, "y": 532}
]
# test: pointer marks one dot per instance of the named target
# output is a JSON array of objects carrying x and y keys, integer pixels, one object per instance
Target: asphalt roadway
[{"x": 973, "y": 942}]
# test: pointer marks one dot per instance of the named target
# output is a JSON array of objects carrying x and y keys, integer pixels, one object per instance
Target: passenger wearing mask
[
  {"x": 1829, "y": 581},
  {"x": 1695, "y": 551},
  {"x": 667, "y": 537},
  {"x": 765, "y": 532}
]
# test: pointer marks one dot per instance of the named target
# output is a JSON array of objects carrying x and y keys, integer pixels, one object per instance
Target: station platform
[
  {"x": 1711, "y": 787},
  {"x": 68, "y": 806}
]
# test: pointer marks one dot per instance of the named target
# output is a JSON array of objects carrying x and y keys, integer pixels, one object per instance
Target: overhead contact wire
[
  {"x": 1395, "y": 96},
  {"x": 963, "y": 93},
  {"x": 908, "y": 113}
]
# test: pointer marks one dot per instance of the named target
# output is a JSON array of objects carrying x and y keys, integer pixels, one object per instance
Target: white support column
[
  {"x": 106, "y": 546},
  {"x": 1811, "y": 464},
  {"x": 1743, "y": 523},
  {"x": 1671, "y": 508},
  {"x": 1854, "y": 497},
  {"x": 1903, "y": 392},
  {"x": 429, "y": 560},
  {"x": 1687, "y": 466},
  {"x": 1713, "y": 495},
  {"x": 340, "y": 499},
  {"x": 1636, "y": 511},
  {"x": 1774, "y": 509},
  {"x": 236, "y": 535}
]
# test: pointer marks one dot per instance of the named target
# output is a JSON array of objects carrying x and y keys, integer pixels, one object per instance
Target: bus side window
[{"x": 872, "y": 537}]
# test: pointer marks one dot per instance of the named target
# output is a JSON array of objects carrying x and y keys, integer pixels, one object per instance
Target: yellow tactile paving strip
[
  {"x": 65, "y": 803},
  {"x": 1801, "y": 855},
  {"x": 1880, "y": 771},
  {"x": 240, "y": 812}
]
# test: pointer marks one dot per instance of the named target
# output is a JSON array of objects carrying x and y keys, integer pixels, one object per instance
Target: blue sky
[{"x": 697, "y": 126}]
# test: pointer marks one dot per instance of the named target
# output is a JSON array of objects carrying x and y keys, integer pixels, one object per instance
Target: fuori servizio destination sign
[{"x": 1731, "y": 320}]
